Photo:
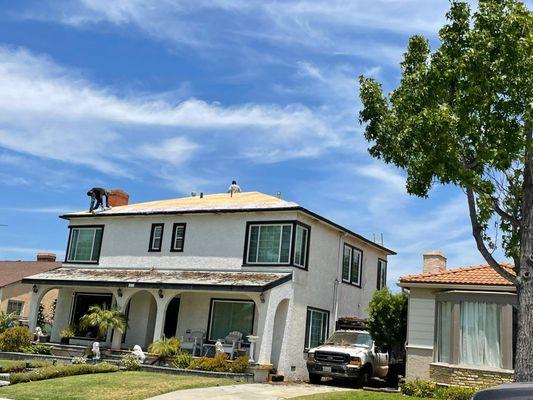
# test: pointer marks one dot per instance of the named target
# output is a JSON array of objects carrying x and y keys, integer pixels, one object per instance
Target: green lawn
[
  {"x": 109, "y": 386},
  {"x": 354, "y": 395}
]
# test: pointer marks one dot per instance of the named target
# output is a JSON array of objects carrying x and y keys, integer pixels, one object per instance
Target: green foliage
[
  {"x": 57, "y": 371},
  {"x": 455, "y": 393},
  {"x": 104, "y": 319},
  {"x": 166, "y": 347},
  {"x": 14, "y": 339},
  {"x": 36, "y": 348},
  {"x": 18, "y": 366},
  {"x": 418, "y": 388},
  {"x": 220, "y": 363},
  {"x": 130, "y": 363},
  {"x": 79, "y": 360},
  {"x": 68, "y": 332},
  {"x": 182, "y": 360},
  {"x": 461, "y": 113},
  {"x": 41, "y": 317},
  {"x": 6, "y": 321},
  {"x": 387, "y": 321}
]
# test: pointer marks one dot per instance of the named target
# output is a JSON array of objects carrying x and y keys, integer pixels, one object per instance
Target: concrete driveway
[{"x": 251, "y": 391}]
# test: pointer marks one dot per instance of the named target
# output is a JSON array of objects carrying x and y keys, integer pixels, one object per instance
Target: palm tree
[{"x": 104, "y": 319}]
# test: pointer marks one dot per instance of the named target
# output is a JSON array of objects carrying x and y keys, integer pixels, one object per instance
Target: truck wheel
[
  {"x": 363, "y": 378},
  {"x": 314, "y": 379}
]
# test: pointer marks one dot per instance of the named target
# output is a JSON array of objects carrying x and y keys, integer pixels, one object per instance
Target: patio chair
[
  {"x": 193, "y": 341},
  {"x": 232, "y": 343}
]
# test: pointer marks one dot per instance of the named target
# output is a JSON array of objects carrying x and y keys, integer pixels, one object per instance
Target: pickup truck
[{"x": 347, "y": 354}]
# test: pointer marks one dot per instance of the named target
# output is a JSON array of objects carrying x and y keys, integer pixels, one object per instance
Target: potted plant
[
  {"x": 166, "y": 349},
  {"x": 66, "y": 334},
  {"x": 103, "y": 319}
]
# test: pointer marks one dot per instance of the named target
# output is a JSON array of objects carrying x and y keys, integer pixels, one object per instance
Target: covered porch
[{"x": 173, "y": 304}]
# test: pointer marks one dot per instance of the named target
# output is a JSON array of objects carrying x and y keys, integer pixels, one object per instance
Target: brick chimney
[
  {"x": 434, "y": 261},
  {"x": 118, "y": 198},
  {"x": 46, "y": 257}
]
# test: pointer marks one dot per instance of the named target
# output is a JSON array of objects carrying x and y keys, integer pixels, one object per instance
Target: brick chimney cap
[
  {"x": 48, "y": 257},
  {"x": 434, "y": 253}
]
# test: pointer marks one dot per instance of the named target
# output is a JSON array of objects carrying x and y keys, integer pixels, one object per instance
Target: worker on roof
[
  {"x": 96, "y": 194},
  {"x": 234, "y": 188}
]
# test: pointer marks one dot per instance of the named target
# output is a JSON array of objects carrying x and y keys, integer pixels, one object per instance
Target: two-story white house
[{"x": 246, "y": 262}]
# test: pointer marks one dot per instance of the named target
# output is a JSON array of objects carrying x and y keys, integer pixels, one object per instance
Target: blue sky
[{"x": 164, "y": 98}]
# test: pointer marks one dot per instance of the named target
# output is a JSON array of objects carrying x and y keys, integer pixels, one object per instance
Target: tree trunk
[{"x": 524, "y": 347}]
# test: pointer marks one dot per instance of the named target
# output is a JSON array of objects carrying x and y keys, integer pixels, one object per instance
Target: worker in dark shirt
[{"x": 96, "y": 194}]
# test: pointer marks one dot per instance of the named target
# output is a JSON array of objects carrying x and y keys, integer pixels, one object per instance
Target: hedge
[
  {"x": 19, "y": 366},
  {"x": 58, "y": 371}
]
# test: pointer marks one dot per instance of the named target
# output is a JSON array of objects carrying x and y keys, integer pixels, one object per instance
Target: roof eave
[{"x": 428, "y": 285}]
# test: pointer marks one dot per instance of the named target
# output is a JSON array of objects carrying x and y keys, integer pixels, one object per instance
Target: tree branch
[
  {"x": 500, "y": 211},
  {"x": 477, "y": 233}
]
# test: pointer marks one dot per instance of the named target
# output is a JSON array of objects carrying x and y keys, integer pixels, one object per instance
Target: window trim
[
  {"x": 307, "y": 242},
  {"x": 13, "y": 301},
  {"x": 70, "y": 227},
  {"x": 72, "y": 310},
  {"x": 349, "y": 281},
  {"x": 308, "y": 326},
  {"x": 290, "y": 263},
  {"x": 210, "y": 319},
  {"x": 381, "y": 260},
  {"x": 152, "y": 231},
  {"x": 173, "y": 242}
]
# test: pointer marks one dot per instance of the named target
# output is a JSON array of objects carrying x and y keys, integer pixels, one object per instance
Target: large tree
[{"x": 462, "y": 115}]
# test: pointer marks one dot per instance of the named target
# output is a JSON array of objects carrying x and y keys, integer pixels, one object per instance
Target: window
[
  {"x": 85, "y": 244},
  {"x": 316, "y": 327},
  {"x": 480, "y": 334},
  {"x": 230, "y": 315},
  {"x": 351, "y": 265},
  {"x": 178, "y": 237},
  {"x": 269, "y": 243},
  {"x": 444, "y": 331},
  {"x": 156, "y": 237},
  {"x": 300, "y": 246},
  {"x": 15, "y": 307},
  {"x": 382, "y": 274},
  {"x": 82, "y": 302}
]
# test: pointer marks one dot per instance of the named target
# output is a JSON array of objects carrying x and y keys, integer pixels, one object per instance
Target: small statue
[
  {"x": 96, "y": 351},
  {"x": 218, "y": 347},
  {"x": 138, "y": 353},
  {"x": 38, "y": 332}
]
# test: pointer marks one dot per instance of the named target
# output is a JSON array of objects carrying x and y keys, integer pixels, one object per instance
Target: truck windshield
[{"x": 350, "y": 339}]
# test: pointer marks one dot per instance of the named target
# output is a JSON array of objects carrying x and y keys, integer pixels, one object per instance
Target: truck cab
[{"x": 347, "y": 354}]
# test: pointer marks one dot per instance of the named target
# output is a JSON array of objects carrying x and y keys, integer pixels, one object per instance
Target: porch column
[
  {"x": 36, "y": 297},
  {"x": 265, "y": 327},
  {"x": 162, "y": 303},
  {"x": 122, "y": 301}
]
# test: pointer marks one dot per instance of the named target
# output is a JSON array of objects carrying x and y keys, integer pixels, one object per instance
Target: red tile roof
[
  {"x": 474, "y": 275},
  {"x": 14, "y": 271}
]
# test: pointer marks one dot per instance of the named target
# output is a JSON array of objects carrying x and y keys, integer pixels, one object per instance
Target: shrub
[
  {"x": 57, "y": 371},
  {"x": 240, "y": 364},
  {"x": 79, "y": 360},
  {"x": 13, "y": 339},
  {"x": 166, "y": 347},
  {"x": 182, "y": 360},
  {"x": 130, "y": 363},
  {"x": 36, "y": 348},
  {"x": 219, "y": 363},
  {"x": 454, "y": 393},
  {"x": 68, "y": 332},
  {"x": 19, "y": 366},
  {"x": 7, "y": 321},
  {"x": 418, "y": 388}
]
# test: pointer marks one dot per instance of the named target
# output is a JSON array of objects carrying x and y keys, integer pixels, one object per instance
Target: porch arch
[
  {"x": 278, "y": 332},
  {"x": 141, "y": 310}
]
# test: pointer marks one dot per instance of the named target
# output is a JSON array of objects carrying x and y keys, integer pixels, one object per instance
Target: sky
[{"x": 164, "y": 98}]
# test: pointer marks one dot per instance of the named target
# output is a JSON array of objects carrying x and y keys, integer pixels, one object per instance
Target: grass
[
  {"x": 115, "y": 386},
  {"x": 354, "y": 395}
]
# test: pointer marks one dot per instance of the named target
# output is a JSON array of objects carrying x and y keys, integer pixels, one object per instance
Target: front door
[{"x": 171, "y": 317}]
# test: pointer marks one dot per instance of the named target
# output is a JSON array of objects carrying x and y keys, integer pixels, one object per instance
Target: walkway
[{"x": 251, "y": 391}]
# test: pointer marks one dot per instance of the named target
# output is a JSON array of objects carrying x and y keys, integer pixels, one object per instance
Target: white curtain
[
  {"x": 480, "y": 328},
  {"x": 444, "y": 330}
]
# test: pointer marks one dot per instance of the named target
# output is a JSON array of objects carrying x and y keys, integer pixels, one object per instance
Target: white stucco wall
[{"x": 141, "y": 319}]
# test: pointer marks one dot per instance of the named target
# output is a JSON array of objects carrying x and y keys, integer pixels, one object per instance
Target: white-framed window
[
  {"x": 156, "y": 237},
  {"x": 15, "y": 306},
  {"x": 85, "y": 244},
  {"x": 316, "y": 327},
  {"x": 228, "y": 315},
  {"x": 269, "y": 243},
  {"x": 382, "y": 274},
  {"x": 352, "y": 260},
  {"x": 178, "y": 237},
  {"x": 444, "y": 331},
  {"x": 300, "y": 246}
]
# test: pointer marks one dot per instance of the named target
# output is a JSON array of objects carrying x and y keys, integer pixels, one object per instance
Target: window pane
[
  {"x": 346, "y": 263},
  {"x": 72, "y": 245},
  {"x": 480, "y": 330},
  {"x": 356, "y": 266},
  {"x": 178, "y": 237},
  {"x": 444, "y": 326},
  {"x": 285, "y": 244},
  {"x": 269, "y": 244},
  {"x": 96, "y": 247},
  {"x": 317, "y": 327},
  {"x": 84, "y": 245},
  {"x": 254, "y": 242},
  {"x": 300, "y": 246},
  {"x": 230, "y": 316}
]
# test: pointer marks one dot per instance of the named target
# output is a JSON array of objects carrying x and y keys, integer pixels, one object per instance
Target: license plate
[{"x": 326, "y": 369}]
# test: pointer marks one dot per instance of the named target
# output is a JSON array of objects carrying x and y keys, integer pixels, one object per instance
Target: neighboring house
[
  {"x": 461, "y": 324},
  {"x": 218, "y": 263},
  {"x": 15, "y": 297}
]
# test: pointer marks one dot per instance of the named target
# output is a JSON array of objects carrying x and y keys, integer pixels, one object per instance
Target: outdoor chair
[
  {"x": 232, "y": 343},
  {"x": 193, "y": 341}
]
